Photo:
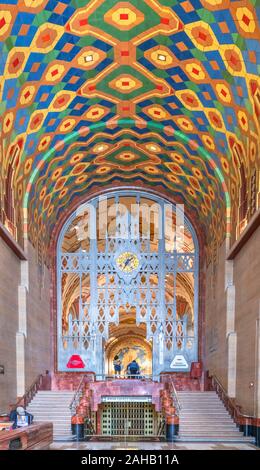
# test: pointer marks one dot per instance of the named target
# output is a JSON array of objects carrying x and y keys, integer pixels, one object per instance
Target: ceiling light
[
  {"x": 88, "y": 58},
  {"x": 161, "y": 57}
]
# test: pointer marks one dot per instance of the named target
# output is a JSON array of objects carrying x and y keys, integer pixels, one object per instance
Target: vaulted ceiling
[{"x": 100, "y": 93}]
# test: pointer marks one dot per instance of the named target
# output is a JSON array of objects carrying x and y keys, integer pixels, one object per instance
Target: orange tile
[
  {"x": 224, "y": 27},
  {"x": 187, "y": 6},
  {"x": 181, "y": 46}
]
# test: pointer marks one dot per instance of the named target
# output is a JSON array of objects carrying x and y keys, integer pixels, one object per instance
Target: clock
[{"x": 127, "y": 262}]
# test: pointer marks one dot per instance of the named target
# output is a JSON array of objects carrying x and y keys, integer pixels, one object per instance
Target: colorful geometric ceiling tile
[
  {"x": 125, "y": 83},
  {"x": 178, "y": 81},
  {"x": 124, "y": 16}
]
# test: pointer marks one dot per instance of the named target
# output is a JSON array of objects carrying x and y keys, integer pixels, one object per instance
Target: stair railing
[
  {"x": 234, "y": 410},
  {"x": 79, "y": 392},
  {"x": 30, "y": 393},
  {"x": 174, "y": 396}
]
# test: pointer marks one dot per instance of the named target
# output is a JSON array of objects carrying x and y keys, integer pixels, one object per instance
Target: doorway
[
  {"x": 127, "y": 340},
  {"x": 134, "y": 419}
]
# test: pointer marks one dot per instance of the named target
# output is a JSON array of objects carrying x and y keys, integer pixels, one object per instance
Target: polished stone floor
[{"x": 150, "y": 446}]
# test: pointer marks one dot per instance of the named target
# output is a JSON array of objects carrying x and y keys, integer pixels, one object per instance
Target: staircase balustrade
[{"x": 38, "y": 384}]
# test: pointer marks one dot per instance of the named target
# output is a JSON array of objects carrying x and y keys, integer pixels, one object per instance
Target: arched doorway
[
  {"x": 128, "y": 348},
  {"x": 127, "y": 257}
]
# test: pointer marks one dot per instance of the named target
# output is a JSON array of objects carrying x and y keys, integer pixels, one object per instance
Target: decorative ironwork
[{"x": 125, "y": 270}]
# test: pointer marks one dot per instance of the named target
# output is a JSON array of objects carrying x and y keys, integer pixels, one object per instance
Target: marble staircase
[
  {"x": 203, "y": 417},
  {"x": 53, "y": 406}
]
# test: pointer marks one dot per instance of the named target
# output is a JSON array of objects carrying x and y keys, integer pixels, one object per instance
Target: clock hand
[{"x": 128, "y": 261}]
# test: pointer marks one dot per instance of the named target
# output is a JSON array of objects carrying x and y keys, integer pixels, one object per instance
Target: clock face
[{"x": 127, "y": 262}]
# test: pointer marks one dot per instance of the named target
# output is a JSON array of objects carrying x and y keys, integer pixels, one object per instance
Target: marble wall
[
  {"x": 24, "y": 323},
  {"x": 9, "y": 281},
  {"x": 232, "y": 323}
]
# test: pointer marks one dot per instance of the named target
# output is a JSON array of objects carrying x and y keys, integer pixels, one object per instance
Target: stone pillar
[
  {"x": 231, "y": 336},
  {"x": 22, "y": 328},
  {"x": 257, "y": 373}
]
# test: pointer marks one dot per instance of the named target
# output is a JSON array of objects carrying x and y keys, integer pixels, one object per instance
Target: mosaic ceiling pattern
[{"x": 163, "y": 94}]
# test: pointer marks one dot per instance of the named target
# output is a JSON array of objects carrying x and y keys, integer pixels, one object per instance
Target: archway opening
[
  {"x": 127, "y": 270},
  {"x": 128, "y": 342}
]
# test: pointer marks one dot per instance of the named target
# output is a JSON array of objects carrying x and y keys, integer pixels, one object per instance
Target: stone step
[
  {"x": 191, "y": 407},
  {"x": 215, "y": 439},
  {"x": 219, "y": 435},
  {"x": 199, "y": 392},
  {"x": 197, "y": 413},
  {"x": 61, "y": 428},
  {"x": 207, "y": 425},
  {"x": 52, "y": 400},
  {"x": 44, "y": 412},
  {"x": 58, "y": 421},
  {"x": 48, "y": 405},
  {"x": 201, "y": 402},
  {"x": 192, "y": 422}
]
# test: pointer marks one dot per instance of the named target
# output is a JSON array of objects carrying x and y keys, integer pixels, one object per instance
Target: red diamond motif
[
  {"x": 124, "y": 53},
  {"x": 159, "y": 87},
  {"x": 124, "y": 16},
  {"x": 224, "y": 93},
  {"x": 83, "y": 22},
  {"x": 2, "y": 23},
  {"x": 202, "y": 36},
  {"x": 165, "y": 20},
  {"x": 15, "y": 62},
  {"x": 246, "y": 20},
  {"x": 92, "y": 87},
  {"x": 125, "y": 83},
  {"x": 196, "y": 71},
  {"x": 46, "y": 38},
  {"x": 158, "y": 113},
  {"x": 233, "y": 59},
  {"x": 26, "y": 95},
  {"x": 94, "y": 113},
  {"x": 54, "y": 72}
]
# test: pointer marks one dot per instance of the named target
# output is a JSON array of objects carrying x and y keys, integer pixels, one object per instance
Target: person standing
[
  {"x": 134, "y": 369},
  {"x": 117, "y": 366}
]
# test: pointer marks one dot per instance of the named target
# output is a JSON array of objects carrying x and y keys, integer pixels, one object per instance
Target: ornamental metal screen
[{"x": 130, "y": 252}]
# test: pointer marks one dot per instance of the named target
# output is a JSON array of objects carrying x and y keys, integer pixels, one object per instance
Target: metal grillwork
[
  {"x": 90, "y": 276},
  {"x": 128, "y": 419}
]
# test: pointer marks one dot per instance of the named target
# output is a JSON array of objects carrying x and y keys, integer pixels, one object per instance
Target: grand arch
[{"x": 147, "y": 278}]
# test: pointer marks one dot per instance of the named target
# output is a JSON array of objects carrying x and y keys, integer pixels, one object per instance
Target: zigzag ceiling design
[{"x": 191, "y": 66}]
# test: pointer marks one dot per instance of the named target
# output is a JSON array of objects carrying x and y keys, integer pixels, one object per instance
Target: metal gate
[{"x": 128, "y": 419}]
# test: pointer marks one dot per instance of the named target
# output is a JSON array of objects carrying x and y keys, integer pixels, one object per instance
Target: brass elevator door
[{"x": 128, "y": 419}]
